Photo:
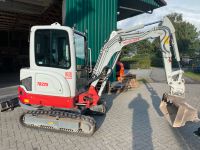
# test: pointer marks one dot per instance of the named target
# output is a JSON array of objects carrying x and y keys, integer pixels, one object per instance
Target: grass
[
  {"x": 192, "y": 75},
  {"x": 143, "y": 80}
]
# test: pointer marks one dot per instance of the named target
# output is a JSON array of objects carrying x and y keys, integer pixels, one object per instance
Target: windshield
[{"x": 52, "y": 48}]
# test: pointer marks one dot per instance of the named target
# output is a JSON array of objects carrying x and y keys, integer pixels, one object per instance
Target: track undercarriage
[
  {"x": 55, "y": 120},
  {"x": 65, "y": 121},
  {"x": 59, "y": 121}
]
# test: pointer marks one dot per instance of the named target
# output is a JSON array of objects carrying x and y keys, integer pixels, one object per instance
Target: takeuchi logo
[
  {"x": 131, "y": 41},
  {"x": 42, "y": 84}
]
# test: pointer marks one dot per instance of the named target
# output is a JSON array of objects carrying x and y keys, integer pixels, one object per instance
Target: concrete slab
[
  {"x": 8, "y": 91},
  {"x": 133, "y": 121}
]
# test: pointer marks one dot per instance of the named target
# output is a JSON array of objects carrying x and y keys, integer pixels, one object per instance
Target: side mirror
[{"x": 90, "y": 60}]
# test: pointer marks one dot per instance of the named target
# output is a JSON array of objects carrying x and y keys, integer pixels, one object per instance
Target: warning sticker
[
  {"x": 166, "y": 39},
  {"x": 68, "y": 75},
  {"x": 131, "y": 41}
]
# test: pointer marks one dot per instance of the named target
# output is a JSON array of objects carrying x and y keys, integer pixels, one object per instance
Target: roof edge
[{"x": 161, "y": 2}]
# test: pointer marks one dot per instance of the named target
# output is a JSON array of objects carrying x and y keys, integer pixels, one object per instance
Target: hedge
[{"x": 142, "y": 61}]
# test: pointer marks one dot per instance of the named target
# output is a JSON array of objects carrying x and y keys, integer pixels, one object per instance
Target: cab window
[
  {"x": 80, "y": 51},
  {"x": 52, "y": 48}
]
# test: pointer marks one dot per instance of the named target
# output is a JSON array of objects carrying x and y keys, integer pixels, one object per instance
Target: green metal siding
[{"x": 98, "y": 17}]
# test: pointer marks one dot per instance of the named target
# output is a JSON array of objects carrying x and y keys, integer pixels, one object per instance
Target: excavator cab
[{"x": 58, "y": 67}]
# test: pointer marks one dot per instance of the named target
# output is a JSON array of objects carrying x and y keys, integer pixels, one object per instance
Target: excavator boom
[{"x": 166, "y": 33}]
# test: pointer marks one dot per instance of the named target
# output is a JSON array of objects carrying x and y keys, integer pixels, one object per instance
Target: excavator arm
[
  {"x": 166, "y": 33},
  {"x": 118, "y": 39}
]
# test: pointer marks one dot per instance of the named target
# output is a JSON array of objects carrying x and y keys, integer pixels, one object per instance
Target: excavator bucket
[{"x": 177, "y": 111}]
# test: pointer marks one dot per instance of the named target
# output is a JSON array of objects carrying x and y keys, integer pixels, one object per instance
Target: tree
[
  {"x": 186, "y": 33},
  {"x": 142, "y": 47},
  {"x": 187, "y": 39}
]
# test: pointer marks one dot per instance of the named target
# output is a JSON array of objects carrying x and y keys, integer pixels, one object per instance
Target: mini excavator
[{"x": 60, "y": 85}]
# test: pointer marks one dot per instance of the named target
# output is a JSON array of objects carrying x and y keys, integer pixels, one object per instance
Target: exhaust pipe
[{"x": 177, "y": 111}]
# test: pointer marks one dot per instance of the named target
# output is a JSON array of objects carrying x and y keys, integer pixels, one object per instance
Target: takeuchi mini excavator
[{"x": 61, "y": 86}]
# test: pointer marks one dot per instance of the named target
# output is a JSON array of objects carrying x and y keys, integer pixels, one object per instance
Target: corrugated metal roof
[
  {"x": 151, "y": 2},
  {"x": 25, "y": 6},
  {"x": 22, "y": 14},
  {"x": 130, "y": 8}
]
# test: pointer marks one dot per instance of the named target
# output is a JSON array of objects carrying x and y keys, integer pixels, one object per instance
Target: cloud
[
  {"x": 189, "y": 10},
  {"x": 191, "y": 16}
]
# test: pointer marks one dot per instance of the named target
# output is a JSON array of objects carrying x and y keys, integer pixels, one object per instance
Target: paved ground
[
  {"x": 133, "y": 121},
  {"x": 140, "y": 73},
  {"x": 156, "y": 75},
  {"x": 8, "y": 91}
]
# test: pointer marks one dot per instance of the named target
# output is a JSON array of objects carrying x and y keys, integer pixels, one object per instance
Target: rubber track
[{"x": 60, "y": 114}]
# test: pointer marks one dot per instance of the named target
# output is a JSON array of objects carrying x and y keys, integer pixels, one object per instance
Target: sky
[{"x": 190, "y": 9}]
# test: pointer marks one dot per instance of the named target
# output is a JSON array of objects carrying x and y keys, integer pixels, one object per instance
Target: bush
[
  {"x": 142, "y": 61},
  {"x": 157, "y": 61}
]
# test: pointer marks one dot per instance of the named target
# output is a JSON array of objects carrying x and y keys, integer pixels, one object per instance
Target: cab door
[{"x": 81, "y": 61}]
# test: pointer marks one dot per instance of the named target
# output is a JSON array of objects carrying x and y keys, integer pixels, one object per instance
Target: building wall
[{"x": 98, "y": 17}]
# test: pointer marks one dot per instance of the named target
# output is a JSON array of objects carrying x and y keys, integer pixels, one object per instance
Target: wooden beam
[
  {"x": 13, "y": 20},
  {"x": 44, "y": 3},
  {"x": 14, "y": 6}
]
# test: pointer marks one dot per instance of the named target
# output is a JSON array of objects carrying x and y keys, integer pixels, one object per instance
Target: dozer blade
[{"x": 177, "y": 111}]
